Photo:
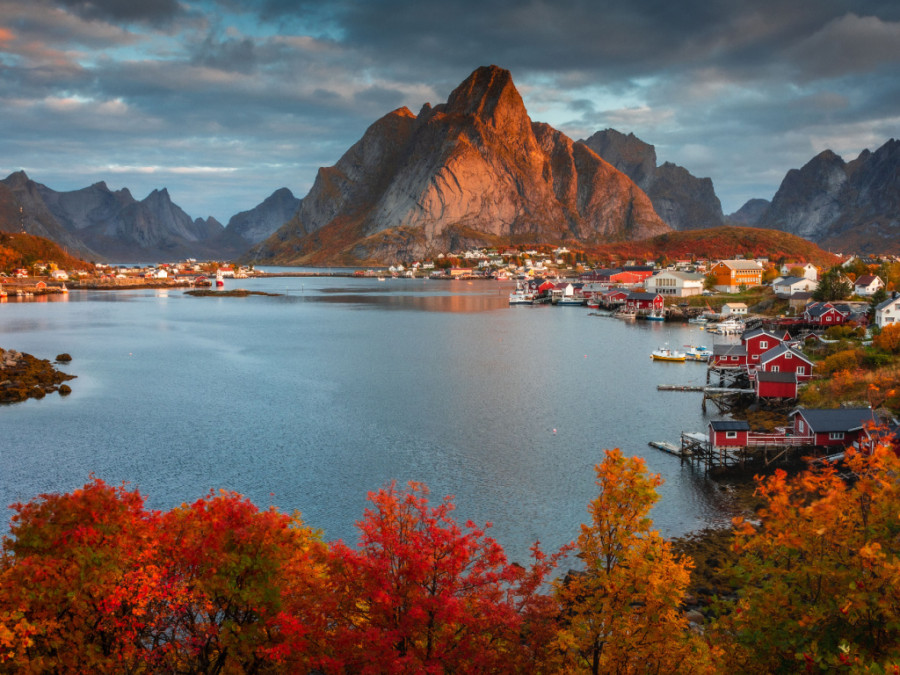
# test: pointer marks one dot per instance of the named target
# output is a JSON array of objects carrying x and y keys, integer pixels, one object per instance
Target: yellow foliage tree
[{"x": 622, "y": 613}]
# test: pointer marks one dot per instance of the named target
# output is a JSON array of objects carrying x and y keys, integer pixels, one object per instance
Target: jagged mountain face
[
  {"x": 260, "y": 222},
  {"x": 750, "y": 212},
  {"x": 843, "y": 206},
  {"x": 101, "y": 224},
  {"x": 28, "y": 212},
  {"x": 682, "y": 200},
  {"x": 474, "y": 170}
]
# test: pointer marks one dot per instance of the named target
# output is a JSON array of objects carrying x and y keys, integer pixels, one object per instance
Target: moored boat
[
  {"x": 521, "y": 296},
  {"x": 727, "y": 327},
  {"x": 697, "y": 353},
  {"x": 656, "y": 315},
  {"x": 666, "y": 354}
]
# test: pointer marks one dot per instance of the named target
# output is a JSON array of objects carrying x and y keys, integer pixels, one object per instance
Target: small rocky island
[
  {"x": 235, "y": 293},
  {"x": 23, "y": 376}
]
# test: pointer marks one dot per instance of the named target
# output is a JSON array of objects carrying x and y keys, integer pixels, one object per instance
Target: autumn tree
[
  {"x": 228, "y": 562},
  {"x": 819, "y": 576},
  {"x": 888, "y": 339},
  {"x": 622, "y": 614},
  {"x": 421, "y": 594},
  {"x": 69, "y": 600}
]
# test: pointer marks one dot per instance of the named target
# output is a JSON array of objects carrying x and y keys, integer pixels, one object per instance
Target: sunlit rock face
[{"x": 472, "y": 171}]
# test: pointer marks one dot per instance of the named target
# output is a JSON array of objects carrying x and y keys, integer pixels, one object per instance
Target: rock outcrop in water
[
  {"x": 23, "y": 376},
  {"x": 472, "y": 171}
]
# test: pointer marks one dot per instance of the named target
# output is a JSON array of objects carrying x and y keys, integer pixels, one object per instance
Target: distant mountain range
[
  {"x": 99, "y": 224},
  {"x": 850, "y": 207},
  {"x": 473, "y": 171}
]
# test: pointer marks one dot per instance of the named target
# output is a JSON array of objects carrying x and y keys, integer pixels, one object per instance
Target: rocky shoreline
[{"x": 23, "y": 376}]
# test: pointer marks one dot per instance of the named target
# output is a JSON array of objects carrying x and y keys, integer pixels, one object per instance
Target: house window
[
  {"x": 730, "y": 434},
  {"x": 836, "y": 435},
  {"x": 775, "y": 369},
  {"x": 800, "y": 426},
  {"x": 763, "y": 344},
  {"x": 801, "y": 370},
  {"x": 788, "y": 355},
  {"x": 756, "y": 357}
]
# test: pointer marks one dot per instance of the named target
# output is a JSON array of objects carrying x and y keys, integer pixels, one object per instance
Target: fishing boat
[
  {"x": 3, "y": 293},
  {"x": 569, "y": 301},
  {"x": 727, "y": 327},
  {"x": 220, "y": 280},
  {"x": 656, "y": 315},
  {"x": 521, "y": 296},
  {"x": 698, "y": 320},
  {"x": 666, "y": 354},
  {"x": 697, "y": 352},
  {"x": 623, "y": 313}
]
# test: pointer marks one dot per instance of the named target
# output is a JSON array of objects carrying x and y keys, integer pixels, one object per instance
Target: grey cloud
[{"x": 126, "y": 11}]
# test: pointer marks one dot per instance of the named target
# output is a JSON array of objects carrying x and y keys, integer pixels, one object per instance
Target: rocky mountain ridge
[
  {"x": 472, "y": 171},
  {"x": 843, "y": 206},
  {"x": 100, "y": 224},
  {"x": 682, "y": 200}
]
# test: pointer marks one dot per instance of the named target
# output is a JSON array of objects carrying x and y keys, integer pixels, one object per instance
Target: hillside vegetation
[
  {"x": 23, "y": 250},
  {"x": 721, "y": 242}
]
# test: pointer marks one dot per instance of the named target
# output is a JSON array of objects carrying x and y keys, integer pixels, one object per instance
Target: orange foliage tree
[
  {"x": 622, "y": 614},
  {"x": 888, "y": 340},
  {"x": 820, "y": 574}
]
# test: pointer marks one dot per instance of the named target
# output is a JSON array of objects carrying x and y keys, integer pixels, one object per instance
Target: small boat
[
  {"x": 698, "y": 320},
  {"x": 625, "y": 314},
  {"x": 656, "y": 315},
  {"x": 666, "y": 354},
  {"x": 62, "y": 289},
  {"x": 220, "y": 280},
  {"x": 570, "y": 302},
  {"x": 697, "y": 353},
  {"x": 380, "y": 278},
  {"x": 3, "y": 293},
  {"x": 727, "y": 327},
  {"x": 521, "y": 296}
]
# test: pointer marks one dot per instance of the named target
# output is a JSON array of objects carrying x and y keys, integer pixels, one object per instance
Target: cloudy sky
[{"x": 224, "y": 101}]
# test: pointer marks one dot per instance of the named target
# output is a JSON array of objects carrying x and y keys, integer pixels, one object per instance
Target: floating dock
[{"x": 665, "y": 446}]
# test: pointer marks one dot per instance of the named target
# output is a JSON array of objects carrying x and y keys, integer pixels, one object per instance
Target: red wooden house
[
  {"x": 728, "y": 433},
  {"x": 638, "y": 301},
  {"x": 728, "y": 356},
  {"x": 839, "y": 427},
  {"x": 758, "y": 342},
  {"x": 776, "y": 385},
  {"x": 615, "y": 296},
  {"x": 784, "y": 359},
  {"x": 824, "y": 314}
]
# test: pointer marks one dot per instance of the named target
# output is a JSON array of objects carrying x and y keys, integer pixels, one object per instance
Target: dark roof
[
  {"x": 725, "y": 349},
  {"x": 729, "y": 425},
  {"x": 638, "y": 295},
  {"x": 766, "y": 376},
  {"x": 882, "y": 305},
  {"x": 824, "y": 420},
  {"x": 638, "y": 268},
  {"x": 789, "y": 280},
  {"x": 780, "y": 349},
  {"x": 757, "y": 332}
]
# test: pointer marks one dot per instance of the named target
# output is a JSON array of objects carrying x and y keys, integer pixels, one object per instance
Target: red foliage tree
[{"x": 422, "y": 594}]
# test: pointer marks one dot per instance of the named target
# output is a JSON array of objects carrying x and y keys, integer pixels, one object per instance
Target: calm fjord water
[{"x": 310, "y": 399}]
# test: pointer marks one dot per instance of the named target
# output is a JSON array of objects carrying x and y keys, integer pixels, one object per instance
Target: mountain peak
[{"x": 489, "y": 94}]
